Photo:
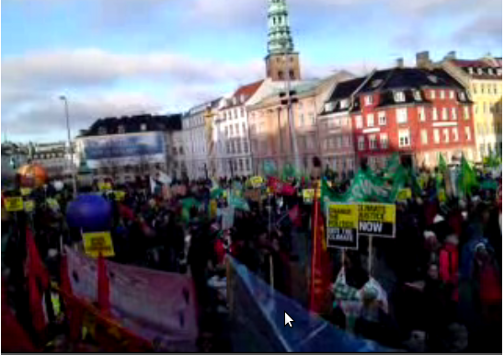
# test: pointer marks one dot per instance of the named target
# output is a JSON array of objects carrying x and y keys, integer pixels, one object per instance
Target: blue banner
[{"x": 261, "y": 309}]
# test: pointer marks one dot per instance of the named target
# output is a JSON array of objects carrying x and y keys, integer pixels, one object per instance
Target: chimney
[
  {"x": 400, "y": 63},
  {"x": 423, "y": 60}
]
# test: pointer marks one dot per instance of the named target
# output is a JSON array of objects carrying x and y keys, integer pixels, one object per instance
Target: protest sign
[
  {"x": 25, "y": 191},
  {"x": 342, "y": 226},
  {"x": 404, "y": 194},
  {"x": 14, "y": 204},
  {"x": 256, "y": 181},
  {"x": 98, "y": 242},
  {"x": 308, "y": 195},
  {"x": 119, "y": 195},
  {"x": 29, "y": 205},
  {"x": 377, "y": 219}
]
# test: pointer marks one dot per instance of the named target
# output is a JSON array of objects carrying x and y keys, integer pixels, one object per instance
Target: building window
[
  {"x": 451, "y": 94},
  {"x": 454, "y": 113},
  {"x": 495, "y": 89},
  {"x": 346, "y": 141},
  {"x": 242, "y": 112},
  {"x": 143, "y": 127},
  {"x": 324, "y": 144},
  {"x": 360, "y": 143},
  {"x": 329, "y": 106},
  {"x": 382, "y": 119},
  {"x": 240, "y": 165},
  {"x": 436, "y": 136},
  {"x": 433, "y": 94},
  {"x": 231, "y": 131},
  {"x": 424, "y": 137},
  {"x": 402, "y": 115},
  {"x": 482, "y": 87},
  {"x": 404, "y": 138},
  {"x": 468, "y": 133},
  {"x": 445, "y": 113},
  {"x": 484, "y": 107},
  {"x": 434, "y": 114},
  {"x": 455, "y": 134},
  {"x": 338, "y": 142},
  {"x": 466, "y": 112},
  {"x": 301, "y": 120},
  {"x": 446, "y": 135},
  {"x": 399, "y": 96},
  {"x": 462, "y": 96},
  {"x": 370, "y": 120},
  {"x": 312, "y": 118},
  {"x": 358, "y": 122},
  {"x": 421, "y": 114},
  {"x": 384, "y": 140},
  {"x": 310, "y": 142},
  {"x": 475, "y": 89},
  {"x": 368, "y": 100},
  {"x": 344, "y": 104},
  {"x": 417, "y": 95}
]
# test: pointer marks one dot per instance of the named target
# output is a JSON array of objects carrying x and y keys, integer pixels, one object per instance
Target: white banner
[{"x": 157, "y": 306}]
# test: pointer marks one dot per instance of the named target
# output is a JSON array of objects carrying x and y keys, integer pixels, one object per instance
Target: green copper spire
[{"x": 279, "y": 37}]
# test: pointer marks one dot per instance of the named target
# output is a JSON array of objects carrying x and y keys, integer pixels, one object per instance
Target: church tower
[{"x": 281, "y": 45}]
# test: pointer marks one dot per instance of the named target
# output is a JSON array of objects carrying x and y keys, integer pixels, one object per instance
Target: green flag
[
  {"x": 269, "y": 168},
  {"x": 288, "y": 172},
  {"x": 238, "y": 202},
  {"x": 442, "y": 167},
  {"x": 467, "y": 178}
]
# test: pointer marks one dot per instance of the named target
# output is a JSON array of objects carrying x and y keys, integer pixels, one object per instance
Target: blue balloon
[{"x": 91, "y": 213}]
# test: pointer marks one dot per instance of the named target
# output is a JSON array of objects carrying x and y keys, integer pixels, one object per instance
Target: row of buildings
[{"x": 450, "y": 107}]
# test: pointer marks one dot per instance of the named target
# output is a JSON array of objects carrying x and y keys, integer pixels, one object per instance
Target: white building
[
  {"x": 54, "y": 157},
  {"x": 197, "y": 134},
  {"x": 231, "y": 134}
]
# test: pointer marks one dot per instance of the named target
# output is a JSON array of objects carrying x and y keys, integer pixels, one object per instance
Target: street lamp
[{"x": 70, "y": 148}]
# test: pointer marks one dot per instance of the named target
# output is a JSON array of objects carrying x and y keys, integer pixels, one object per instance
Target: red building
[{"x": 416, "y": 112}]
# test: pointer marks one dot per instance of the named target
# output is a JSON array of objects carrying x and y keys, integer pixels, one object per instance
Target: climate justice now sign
[{"x": 377, "y": 220}]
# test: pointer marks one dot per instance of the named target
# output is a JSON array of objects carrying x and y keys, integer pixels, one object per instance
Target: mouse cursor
[{"x": 288, "y": 320}]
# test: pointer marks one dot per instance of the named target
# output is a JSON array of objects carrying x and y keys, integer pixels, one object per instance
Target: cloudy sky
[{"x": 115, "y": 57}]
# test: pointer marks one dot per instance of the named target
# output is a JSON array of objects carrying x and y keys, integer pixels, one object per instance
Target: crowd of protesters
[{"x": 441, "y": 272}]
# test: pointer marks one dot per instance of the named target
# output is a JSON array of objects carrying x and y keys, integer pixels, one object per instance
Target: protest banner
[
  {"x": 98, "y": 242},
  {"x": 14, "y": 204},
  {"x": 157, "y": 306},
  {"x": 105, "y": 186},
  {"x": 342, "y": 226},
  {"x": 377, "y": 219},
  {"x": 119, "y": 195}
]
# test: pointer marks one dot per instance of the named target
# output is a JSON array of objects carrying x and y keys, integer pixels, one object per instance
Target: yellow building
[{"x": 483, "y": 80}]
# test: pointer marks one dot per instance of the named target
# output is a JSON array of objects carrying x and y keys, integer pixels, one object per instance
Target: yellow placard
[
  {"x": 377, "y": 219},
  {"x": 256, "y": 181},
  {"x": 404, "y": 194},
  {"x": 14, "y": 204},
  {"x": 442, "y": 195},
  {"x": 343, "y": 216},
  {"x": 213, "y": 209},
  {"x": 52, "y": 203},
  {"x": 29, "y": 205},
  {"x": 119, "y": 195},
  {"x": 25, "y": 191},
  {"x": 309, "y": 193},
  {"x": 98, "y": 242},
  {"x": 342, "y": 226},
  {"x": 105, "y": 186}
]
